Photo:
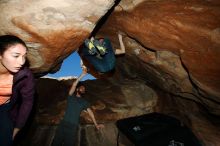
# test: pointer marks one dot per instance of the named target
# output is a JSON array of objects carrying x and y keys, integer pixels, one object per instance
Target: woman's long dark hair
[{"x": 7, "y": 41}]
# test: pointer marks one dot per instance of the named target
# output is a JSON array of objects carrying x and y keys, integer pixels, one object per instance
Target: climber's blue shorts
[{"x": 104, "y": 64}]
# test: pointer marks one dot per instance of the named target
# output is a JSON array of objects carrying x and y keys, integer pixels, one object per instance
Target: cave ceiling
[{"x": 174, "y": 45}]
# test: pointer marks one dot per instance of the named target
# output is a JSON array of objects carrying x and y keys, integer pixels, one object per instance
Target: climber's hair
[
  {"x": 6, "y": 41},
  {"x": 79, "y": 85}
]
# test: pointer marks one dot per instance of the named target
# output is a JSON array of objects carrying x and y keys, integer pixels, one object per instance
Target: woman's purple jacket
[{"x": 22, "y": 96}]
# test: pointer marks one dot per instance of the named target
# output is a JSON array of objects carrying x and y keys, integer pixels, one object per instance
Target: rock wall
[
  {"x": 110, "y": 102},
  {"x": 173, "y": 44},
  {"x": 52, "y": 29},
  {"x": 170, "y": 45}
]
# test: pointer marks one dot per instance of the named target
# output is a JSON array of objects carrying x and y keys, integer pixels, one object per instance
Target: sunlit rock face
[
  {"x": 52, "y": 29},
  {"x": 173, "y": 44}
]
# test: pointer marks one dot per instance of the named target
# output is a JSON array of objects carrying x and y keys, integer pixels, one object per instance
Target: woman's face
[{"x": 14, "y": 58}]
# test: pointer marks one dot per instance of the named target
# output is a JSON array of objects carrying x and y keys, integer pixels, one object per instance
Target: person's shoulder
[
  {"x": 107, "y": 42},
  {"x": 81, "y": 99},
  {"x": 27, "y": 71},
  {"x": 72, "y": 96},
  {"x": 25, "y": 76},
  {"x": 106, "y": 39}
]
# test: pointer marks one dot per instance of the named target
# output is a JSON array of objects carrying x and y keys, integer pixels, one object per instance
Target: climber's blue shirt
[{"x": 74, "y": 107}]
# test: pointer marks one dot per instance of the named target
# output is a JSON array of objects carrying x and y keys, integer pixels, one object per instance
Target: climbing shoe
[
  {"x": 91, "y": 48},
  {"x": 101, "y": 48}
]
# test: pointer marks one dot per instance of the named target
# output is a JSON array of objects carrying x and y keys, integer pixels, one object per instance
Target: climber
[
  {"x": 67, "y": 129},
  {"x": 100, "y": 54}
]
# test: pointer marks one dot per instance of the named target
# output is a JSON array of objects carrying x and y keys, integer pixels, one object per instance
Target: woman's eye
[{"x": 15, "y": 56}]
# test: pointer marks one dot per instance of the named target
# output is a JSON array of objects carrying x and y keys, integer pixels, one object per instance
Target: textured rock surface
[
  {"x": 204, "y": 126},
  {"x": 188, "y": 30},
  {"x": 112, "y": 101},
  {"x": 109, "y": 100},
  {"x": 52, "y": 29},
  {"x": 172, "y": 45}
]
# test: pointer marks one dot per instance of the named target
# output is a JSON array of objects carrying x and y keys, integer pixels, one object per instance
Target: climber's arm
[{"x": 122, "y": 46}]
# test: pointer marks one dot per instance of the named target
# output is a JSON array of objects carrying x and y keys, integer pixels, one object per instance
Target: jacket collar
[{"x": 20, "y": 74}]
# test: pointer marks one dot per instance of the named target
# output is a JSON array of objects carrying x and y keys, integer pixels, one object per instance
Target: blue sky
[{"x": 70, "y": 67}]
